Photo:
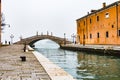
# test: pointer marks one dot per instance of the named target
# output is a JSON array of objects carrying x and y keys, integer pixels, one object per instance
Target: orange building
[{"x": 101, "y": 26}]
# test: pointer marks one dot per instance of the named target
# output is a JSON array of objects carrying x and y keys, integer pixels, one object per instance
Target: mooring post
[{"x": 24, "y": 47}]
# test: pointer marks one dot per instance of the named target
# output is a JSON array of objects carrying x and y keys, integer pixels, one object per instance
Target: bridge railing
[{"x": 40, "y": 37}]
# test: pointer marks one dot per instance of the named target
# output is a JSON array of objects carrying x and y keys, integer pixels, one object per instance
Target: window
[
  {"x": 90, "y": 36},
  {"x": 107, "y": 15},
  {"x": 97, "y": 18},
  {"x": 84, "y": 37},
  {"x": 107, "y": 34},
  {"x": 98, "y": 35},
  {"x": 84, "y": 23},
  {"x": 112, "y": 26},
  {"x": 90, "y": 21},
  {"x": 118, "y": 32}
]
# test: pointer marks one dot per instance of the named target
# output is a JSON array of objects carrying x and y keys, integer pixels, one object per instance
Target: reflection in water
[
  {"x": 81, "y": 65},
  {"x": 102, "y": 67}
]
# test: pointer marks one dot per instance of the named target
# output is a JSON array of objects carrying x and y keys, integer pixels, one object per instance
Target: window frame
[
  {"x": 107, "y": 15},
  {"x": 98, "y": 35},
  {"x": 112, "y": 26},
  {"x": 119, "y": 32},
  {"x": 90, "y": 20},
  {"x": 90, "y": 36},
  {"x": 107, "y": 34},
  {"x": 98, "y": 18},
  {"x": 84, "y": 23}
]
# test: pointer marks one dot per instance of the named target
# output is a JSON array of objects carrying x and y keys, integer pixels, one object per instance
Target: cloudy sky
[{"x": 26, "y": 17}]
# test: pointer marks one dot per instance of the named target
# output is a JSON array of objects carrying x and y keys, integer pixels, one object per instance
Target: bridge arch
[
  {"x": 33, "y": 39},
  {"x": 36, "y": 40},
  {"x": 46, "y": 43}
]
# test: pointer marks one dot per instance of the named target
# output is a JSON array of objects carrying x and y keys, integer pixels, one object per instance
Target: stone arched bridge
[{"x": 33, "y": 39}]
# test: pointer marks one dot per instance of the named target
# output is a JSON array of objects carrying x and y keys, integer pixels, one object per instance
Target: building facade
[{"x": 101, "y": 26}]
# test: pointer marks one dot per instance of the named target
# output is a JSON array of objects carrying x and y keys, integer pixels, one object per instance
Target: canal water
[{"x": 81, "y": 65}]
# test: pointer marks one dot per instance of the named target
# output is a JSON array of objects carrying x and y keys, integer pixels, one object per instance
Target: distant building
[{"x": 101, "y": 26}]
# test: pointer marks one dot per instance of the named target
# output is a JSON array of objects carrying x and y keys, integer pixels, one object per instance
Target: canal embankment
[
  {"x": 113, "y": 50},
  {"x": 19, "y": 64}
]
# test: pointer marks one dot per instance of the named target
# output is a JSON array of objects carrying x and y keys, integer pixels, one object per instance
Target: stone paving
[{"x": 12, "y": 68}]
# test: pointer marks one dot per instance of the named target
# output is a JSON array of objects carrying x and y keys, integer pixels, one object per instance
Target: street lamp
[
  {"x": 47, "y": 33},
  {"x": 3, "y": 24},
  {"x": 36, "y": 33},
  {"x": 41, "y": 33},
  {"x": 51, "y": 34},
  {"x": 73, "y": 36},
  {"x": 11, "y": 36},
  {"x": 64, "y": 39},
  {"x": 21, "y": 37}
]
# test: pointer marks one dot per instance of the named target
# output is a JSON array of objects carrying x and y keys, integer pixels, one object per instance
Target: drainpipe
[
  {"x": 87, "y": 25},
  {"x": 83, "y": 38},
  {"x": 117, "y": 16},
  {"x": 86, "y": 28}
]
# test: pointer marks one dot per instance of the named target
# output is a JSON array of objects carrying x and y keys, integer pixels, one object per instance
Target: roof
[{"x": 115, "y": 3}]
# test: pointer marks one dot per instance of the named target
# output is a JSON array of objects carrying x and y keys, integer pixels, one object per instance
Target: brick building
[{"x": 101, "y": 26}]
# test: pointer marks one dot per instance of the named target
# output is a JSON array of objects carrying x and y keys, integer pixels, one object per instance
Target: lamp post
[
  {"x": 64, "y": 39},
  {"x": 51, "y": 34},
  {"x": 73, "y": 36},
  {"x": 11, "y": 36},
  {"x": 21, "y": 37},
  {"x": 2, "y": 23},
  {"x": 41, "y": 33},
  {"x": 36, "y": 33},
  {"x": 47, "y": 33}
]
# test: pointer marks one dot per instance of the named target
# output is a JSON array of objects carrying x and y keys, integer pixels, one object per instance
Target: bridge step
[{"x": 30, "y": 49}]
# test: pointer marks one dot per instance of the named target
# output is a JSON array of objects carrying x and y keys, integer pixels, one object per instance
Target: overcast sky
[{"x": 26, "y": 17}]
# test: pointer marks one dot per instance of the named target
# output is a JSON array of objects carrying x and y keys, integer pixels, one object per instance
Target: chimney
[
  {"x": 104, "y": 5},
  {"x": 88, "y": 13},
  {"x": 92, "y": 11}
]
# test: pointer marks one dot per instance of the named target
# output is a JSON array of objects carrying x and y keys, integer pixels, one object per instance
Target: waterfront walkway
[
  {"x": 35, "y": 67},
  {"x": 12, "y": 68},
  {"x": 112, "y": 47},
  {"x": 102, "y": 49}
]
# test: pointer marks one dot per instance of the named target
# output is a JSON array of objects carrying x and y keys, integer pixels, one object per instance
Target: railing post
[{"x": 64, "y": 39}]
